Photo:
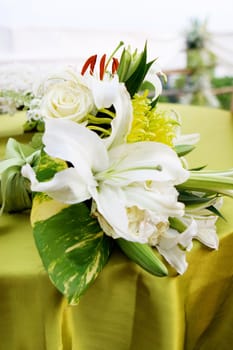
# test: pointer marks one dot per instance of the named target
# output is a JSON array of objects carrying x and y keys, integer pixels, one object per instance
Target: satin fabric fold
[{"x": 126, "y": 308}]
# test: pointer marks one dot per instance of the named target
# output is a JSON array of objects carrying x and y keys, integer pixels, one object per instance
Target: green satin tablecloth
[{"x": 126, "y": 308}]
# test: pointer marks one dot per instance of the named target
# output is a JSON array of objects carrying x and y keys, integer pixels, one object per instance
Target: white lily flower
[
  {"x": 108, "y": 92},
  {"x": 168, "y": 245},
  {"x": 117, "y": 179},
  {"x": 104, "y": 91},
  {"x": 206, "y": 232},
  {"x": 206, "y": 229}
]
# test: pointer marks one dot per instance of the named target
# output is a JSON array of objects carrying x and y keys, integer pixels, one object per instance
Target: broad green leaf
[{"x": 71, "y": 244}]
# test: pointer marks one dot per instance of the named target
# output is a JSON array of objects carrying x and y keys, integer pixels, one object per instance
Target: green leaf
[
  {"x": 147, "y": 85},
  {"x": 154, "y": 102},
  {"x": 208, "y": 183},
  {"x": 14, "y": 191},
  {"x": 192, "y": 200},
  {"x": 199, "y": 168},
  {"x": 19, "y": 151},
  {"x": 216, "y": 212},
  {"x": 135, "y": 80},
  {"x": 143, "y": 255},
  {"x": 71, "y": 244},
  {"x": 34, "y": 125},
  {"x": 48, "y": 167},
  {"x": 36, "y": 141},
  {"x": 182, "y": 150}
]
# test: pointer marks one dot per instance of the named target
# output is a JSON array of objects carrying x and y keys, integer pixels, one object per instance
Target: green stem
[{"x": 121, "y": 43}]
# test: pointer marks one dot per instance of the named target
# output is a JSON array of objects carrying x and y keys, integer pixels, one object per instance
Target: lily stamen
[
  {"x": 102, "y": 66},
  {"x": 115, "y": 65},
  {"x": 90, "y": 62}
]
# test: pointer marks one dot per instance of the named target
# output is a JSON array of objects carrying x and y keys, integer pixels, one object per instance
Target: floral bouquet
[{"x": 105, "y": 166}]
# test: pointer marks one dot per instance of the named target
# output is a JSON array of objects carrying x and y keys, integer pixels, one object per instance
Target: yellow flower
[{"x": 151, "y": 124}]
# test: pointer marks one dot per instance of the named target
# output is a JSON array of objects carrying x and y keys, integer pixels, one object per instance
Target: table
[{"x": 126, "y": 308}]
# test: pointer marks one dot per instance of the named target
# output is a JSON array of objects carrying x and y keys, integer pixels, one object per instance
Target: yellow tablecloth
[{"x": 126, "y": 308}]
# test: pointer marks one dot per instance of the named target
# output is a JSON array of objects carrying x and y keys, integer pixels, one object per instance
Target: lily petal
[
  {"x": 188, "y": 139},
  {"x": 169, "y": 246},
  {"x": 161, "y": 200},
  {"x": 156, "y": 82},
  {"x": 142, "y": 161},
  {"x": 111, "y": 205},
  {"x": 121, "y": 124},
  {"x": 206, "y": 232},
  {"x": 72, "y": 142},
  {"x": 104, "y": 91},
  {"x": 110, "y": 92},
  {"x": 66, "y": 186},
  {"x": 113, "y": 216},
  {"x": 175, "y": 257}
]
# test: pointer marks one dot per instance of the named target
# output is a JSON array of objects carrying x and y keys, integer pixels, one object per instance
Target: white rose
[{"x": 68, "y": 100}]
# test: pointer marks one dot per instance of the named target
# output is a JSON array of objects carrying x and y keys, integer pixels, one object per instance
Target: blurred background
[{"x": 192, "y": 40}]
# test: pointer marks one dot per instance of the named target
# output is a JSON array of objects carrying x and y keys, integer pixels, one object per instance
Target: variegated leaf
[{"x": 70, "y": 242}]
